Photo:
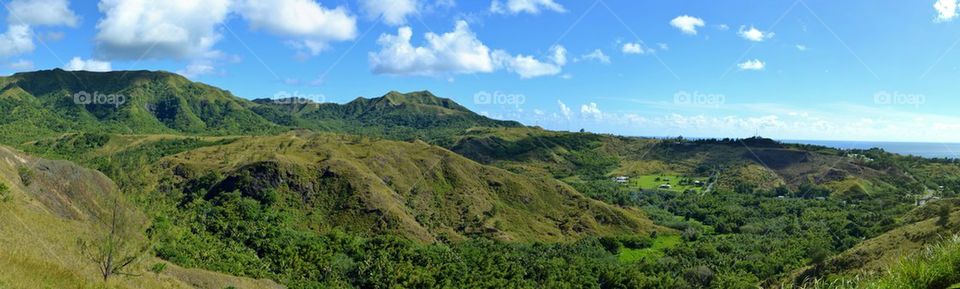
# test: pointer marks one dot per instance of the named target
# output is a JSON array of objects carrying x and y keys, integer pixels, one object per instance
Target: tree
[
  {"x": 944, "y": 214},
  {"x": 701, "y": 276},
  {"x": 113, "y": 248}
]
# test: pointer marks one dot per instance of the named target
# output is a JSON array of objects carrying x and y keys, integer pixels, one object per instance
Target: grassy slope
[
  {"x": 414, "y": 189},
  {"x": 883, "y": 252},
  {"x": 39, "y": 225}
]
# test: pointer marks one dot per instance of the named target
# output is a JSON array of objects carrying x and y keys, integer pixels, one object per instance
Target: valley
[{"x": 416, "y": 191}]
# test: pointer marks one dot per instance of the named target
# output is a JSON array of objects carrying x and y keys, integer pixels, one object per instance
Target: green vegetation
[
  {"x": 676, "y": 183},
  {"x": 5, "y": 195},
  {"x": 657, "y": 250},
  {"x": 415, "y": 191},
  {"x": 936, "y": 266}
]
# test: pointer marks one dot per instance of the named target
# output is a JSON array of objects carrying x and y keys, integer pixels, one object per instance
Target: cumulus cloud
[
  {"x": 525, "y": 6},
  {"x": 636, "y": 48},
  {"x": 530, "y": 67},
  {"x": 565, "y": 110},
  {"x": 801, "y": 47},
  {"x": 305, "y": 19},
  {"x": 946, "y": 10},
  {"x": 23, "y": 14},
  {"x": 79, "y": 64},
  {"x": 754, "y": 34},
  {"x": 591, "y": 110},
  {"x": 597, "y": 55},
  {"x": 394, "y": 12},
  {"x": 687, "y": 24},
  {"x": 17, "y": 40},
  {"x": 455, "y": 52},
  {"x": 312, "y": 25},
  {"x": 183, "y": 29},
  {"x": 41, "y": 12},
  {"x": 134, "y": 29},
  {"x": 755, "y": 64}
]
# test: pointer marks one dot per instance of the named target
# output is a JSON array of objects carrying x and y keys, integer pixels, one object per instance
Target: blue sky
[{"x": 804, "y": 69}]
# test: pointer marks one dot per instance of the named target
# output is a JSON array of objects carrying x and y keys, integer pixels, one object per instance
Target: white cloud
[
  {"x": 17, "y": 40},
  {"x": 591, "y": 110},
  {"x": 394, "y": 12},
  {"x": 754, "y": 34},
  {"x": 21, "y": 65},
  {"x": 635, "y": 48},
  {"x": 455, "y": 52},
  {"x": 77, "y": 64},
  {"x": 530, "y": 67},
  {"x": 134, "y": 29},
  {"x": 183, "y": 29},
  {"x": 41, "y": 12},
  {"x": 528, "y": 6},
  {"x": 687, "y": 24},
  {"x": 663, "y": 46},
  {"x": 755, "y": 64},
  {"x": 312, "y": 25},
  {"x": 946, "y": 10},
  {"x": 801, "y": 47},
  {"x": 565, "y": 110},
  {"x": 596, "y": 55}
]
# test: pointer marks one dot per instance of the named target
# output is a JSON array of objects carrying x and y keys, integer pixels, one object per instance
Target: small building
[
  {"x": 621, "y": 179},
  {"x": 698, "y": 183},
  {"x": 666, "y": 186}
]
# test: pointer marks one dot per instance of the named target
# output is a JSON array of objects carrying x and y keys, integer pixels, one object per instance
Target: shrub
[
  {"x": 4, "y": 192},
  {"x": 26, "y": 175}
]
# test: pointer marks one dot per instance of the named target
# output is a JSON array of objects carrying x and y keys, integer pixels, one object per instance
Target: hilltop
[{"x": 154, "y": 102}]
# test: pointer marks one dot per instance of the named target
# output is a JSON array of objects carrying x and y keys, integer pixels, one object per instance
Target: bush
[
  {"x": 26, "y": 175},
  {"x": 4, "y": 192},
  {"x": 700, "y": 275}
]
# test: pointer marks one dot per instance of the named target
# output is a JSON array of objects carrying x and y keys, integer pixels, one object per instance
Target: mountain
[
  {"x": 135, "y": 102},
  {"x": 55, "y": 101},
  {"x": 394, "y": 115},
  {"x": 416, "y": 191}
]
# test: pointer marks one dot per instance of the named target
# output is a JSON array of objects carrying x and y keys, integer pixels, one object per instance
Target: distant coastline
[{"x": 920, "y": 149}]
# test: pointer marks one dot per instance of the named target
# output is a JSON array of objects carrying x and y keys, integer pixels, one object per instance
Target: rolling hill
[{"x": 47, "y": 206}]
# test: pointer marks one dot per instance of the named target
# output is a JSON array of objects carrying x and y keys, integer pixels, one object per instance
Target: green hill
[
  {"x": 46, "y": 206},
  {"x": 150, "y": 102},
  {"x": 416, "y": 115},
  {"x": 45, "y": 103}
]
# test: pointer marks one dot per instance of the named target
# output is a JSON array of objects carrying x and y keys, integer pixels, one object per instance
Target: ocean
[{"x": 927, "y": 150}]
